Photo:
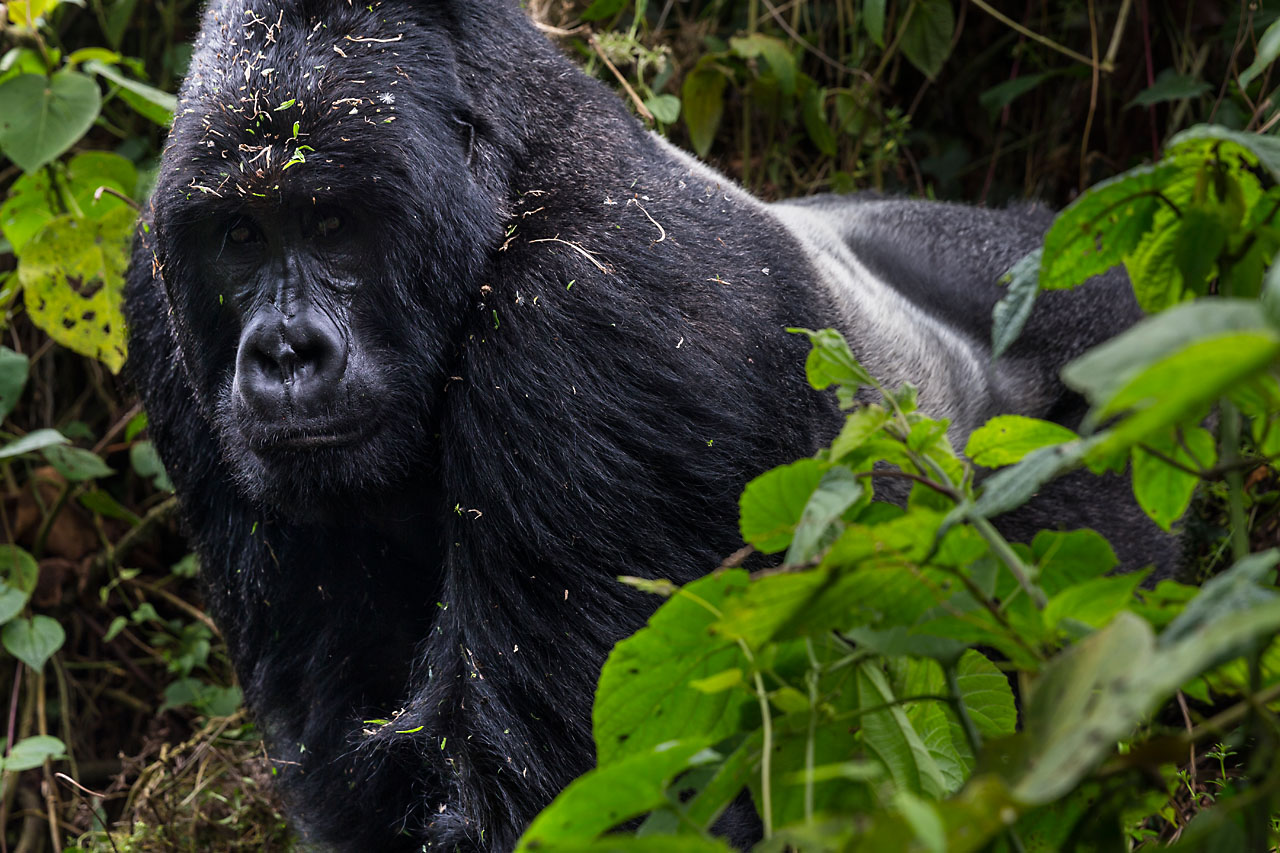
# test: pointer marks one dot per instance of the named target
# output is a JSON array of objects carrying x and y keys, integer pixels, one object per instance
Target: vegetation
[{"x": 861, "y": 690}]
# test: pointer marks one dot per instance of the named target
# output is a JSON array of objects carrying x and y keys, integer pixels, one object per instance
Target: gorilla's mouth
[{"x": 310, "y": 440}]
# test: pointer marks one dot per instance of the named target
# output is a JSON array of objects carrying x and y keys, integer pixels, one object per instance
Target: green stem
[{"x": 1229, "y": 439}]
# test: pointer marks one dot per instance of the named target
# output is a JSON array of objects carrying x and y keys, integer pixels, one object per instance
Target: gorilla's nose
[{"x": 291, "y": 363}]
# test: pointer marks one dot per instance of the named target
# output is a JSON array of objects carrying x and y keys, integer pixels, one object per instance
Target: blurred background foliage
[{"x": 120, "y": 700}]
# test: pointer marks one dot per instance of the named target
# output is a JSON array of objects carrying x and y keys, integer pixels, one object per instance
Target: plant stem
[{"x": 1229, "y": 438}]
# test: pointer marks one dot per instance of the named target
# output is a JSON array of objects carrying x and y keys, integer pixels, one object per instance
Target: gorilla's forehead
[{"x": 279, "y": 95}]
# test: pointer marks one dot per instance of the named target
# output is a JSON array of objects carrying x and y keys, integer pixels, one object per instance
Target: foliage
[
  {"x": 842, "y": 683},
  {"x": 860, "y": 689}
]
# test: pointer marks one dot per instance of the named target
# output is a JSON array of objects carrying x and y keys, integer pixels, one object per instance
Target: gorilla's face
[{"x": 318, "y": 233}]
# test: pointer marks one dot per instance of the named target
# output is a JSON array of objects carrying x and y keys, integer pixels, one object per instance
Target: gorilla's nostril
[{"x": 292, "y": 363}]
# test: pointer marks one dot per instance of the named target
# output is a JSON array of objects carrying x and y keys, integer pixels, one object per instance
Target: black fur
[{"x": 564, "y": 357}]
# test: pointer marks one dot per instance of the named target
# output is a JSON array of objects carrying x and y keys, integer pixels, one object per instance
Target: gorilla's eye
[
  {"x": 329, "y": 225},
  {"x": 242, "y": 232}
]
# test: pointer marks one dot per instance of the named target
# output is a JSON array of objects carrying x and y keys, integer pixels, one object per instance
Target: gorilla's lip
[{"x": 314, "y": 438}]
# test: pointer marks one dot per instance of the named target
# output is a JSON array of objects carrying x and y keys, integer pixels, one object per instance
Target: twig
[
  {"x": 662, "y": 231},
  {"x": 1034, "y": 36},
  {"x": 635, "y": 99}
]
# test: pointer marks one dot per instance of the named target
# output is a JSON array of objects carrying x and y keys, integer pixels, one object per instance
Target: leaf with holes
[
  {"x": 72, "y": 273},
  {"x": 40, "y": 117}
]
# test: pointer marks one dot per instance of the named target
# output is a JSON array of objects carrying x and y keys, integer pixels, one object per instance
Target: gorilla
[{"x": 436, "y": 341}]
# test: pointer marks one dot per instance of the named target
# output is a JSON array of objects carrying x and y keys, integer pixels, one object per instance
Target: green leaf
[
  {"x": 146, "y": 463},
  {"x": 1163, "y": 491},
  {"x": 1003, "y": 94},
  {"x": 1011, "y": 313},
  {"x": 31, "y": 442},
  {"x": 1101, "y": 372},
  {"x": 775, "y": 52},
  {"x": 13, "y": 378},
  {"x": 76, "y": 464},
  {"x": 859, "y": 426},
  {"x": 30, "y": 752},
  {"x": 1170, "y": 86},
  {"x": 1011, "y": 487},
  {"x": 33, "y": 641},
  {"x": 1153, "y": 270},
  {"x": 873, "y": 20},
  {"x": 148, "y": 101},
  {"x": 30, "y": 205},
  {"x": 600, "y": 9},
  {"x": 40, "y": 117},
  {"x": 665, "y": 108},
  {"x": 987, "y": 695},
  {"x": 1265, "y": 148},
  {"x": 813, "y": 111},
  {"x": 831, "y": 362},
  {"x": 926, "y": 38},
  {"x": 838, "y": 490},
  {"x": 645, "y": 698},
  {"x": 703, "y": 98},
  {"x": 18, "y": 576},
  {"x": 1268, "y": 50},
  {"x": 1182, "y": 387},
  {"x": 1097, "y": 230},
  {"x": 612, "y": 794},
  {"x": 1094, "y": 603},
  {"x": 1006, "y": 439},
  {"x": 72, "y": 273},
  {"x": 889, "y": 735},
  {"x": 1245, "y": 585},
  {"x": 772, "y": 504},
  {"x": 1068, "y": 558}
]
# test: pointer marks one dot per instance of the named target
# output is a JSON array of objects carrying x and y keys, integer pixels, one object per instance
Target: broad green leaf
[
  {"x": 100, "y": 502},
  {"x": 1079, "y": 707},
  {"x": 813, "y": 110},
  {"x": 1013, "y": 310},
  {"x": 1247, "y": 584},
  {"x": 1001, "y": 95},
  {"x": 600, "y": 9},
  {"x": 831, "y": 362},
  {"x": 838, "y": 490},
  {"x": 859, "y": 426},
  {"x": 13, "y": 378},
  {"x": 1068, "y": 558},
  {"x": 76, "y": 464},
  {"x": 890, "y": 736},
  {"x": 72, "y": 273},
  {"x": 1268, "y": 50},
  {"x": 1153, "y": 270},
  {"x": 1203, "y": 232},
  {"x": 1101, "y": 372},
  {"x": 645, "y": 698},
  {"x": 936, "y": 722},
  {"x": 146, "y": 463},
  {"x": 926, "y": 37},
  {"x": 665, "y": 108},
  {"x": 1170, "y": 86},
  {"x": 924, "y": 819},
  {"x": 775, "y": 52},
  {"x": 25, "y": 13},
  {"x": 31, "y": 442},
  {"x": 31, "y": 752},
  {"x": 987, "y": 695},
  {"x": 971, "y": 819},
  {"x": 1265, "y": 147},
  {"x": 1100, "y": 228},
  {"x": 33, "y": 641},
  {"x": 40, "y": 117},
  {"x": 773, "y": 504},
  {"x": 1163, "y": 491},
  {"x": 1182, "y": 386},
  {"x": 18, "y": 576},
  {"x": 612, "y": 794},
  {"x": 1095, "y": 602},
  {"x": 1006, "y": 439},
  {"x": 1011, "y": 487},
  {"x": 148, "y": 101},
  {"x": 703, "y": 99},
  {"x": 30, "y": 205},
  {"x": 873, "y": 20}
]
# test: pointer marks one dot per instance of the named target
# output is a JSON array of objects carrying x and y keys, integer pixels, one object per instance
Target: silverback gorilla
[{"x": 436, "y": 341}]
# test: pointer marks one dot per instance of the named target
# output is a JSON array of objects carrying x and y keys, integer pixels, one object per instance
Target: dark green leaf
[
  {"x": 838, "y": 490},
  {"x": 703, "y": 94},
  {"x": 13, "y": 378},
  {"x": 1001, "y": 95},
  {"x": 33, "y": 641},
  {"x": 600, "y": 9},
  {"x": 1014, "y": 308},
  {"x": 40, "y": 117},
  {"x": 773, "y": 503},
  {"x": 1163, "y": 491},
  {"x": 873, "y": 20},
  {"x": 814, "y": 113},
  {"x": 76, "y": 464},
  {"x": 1170, "y": 86},
  {"x": 665, "y": 108},
  {"x": 926, "y": 38},
  {"x": 775, "y": 52}
]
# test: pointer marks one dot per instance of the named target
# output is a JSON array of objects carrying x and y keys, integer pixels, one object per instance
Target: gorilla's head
[{"x": 319, "y": 226}]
